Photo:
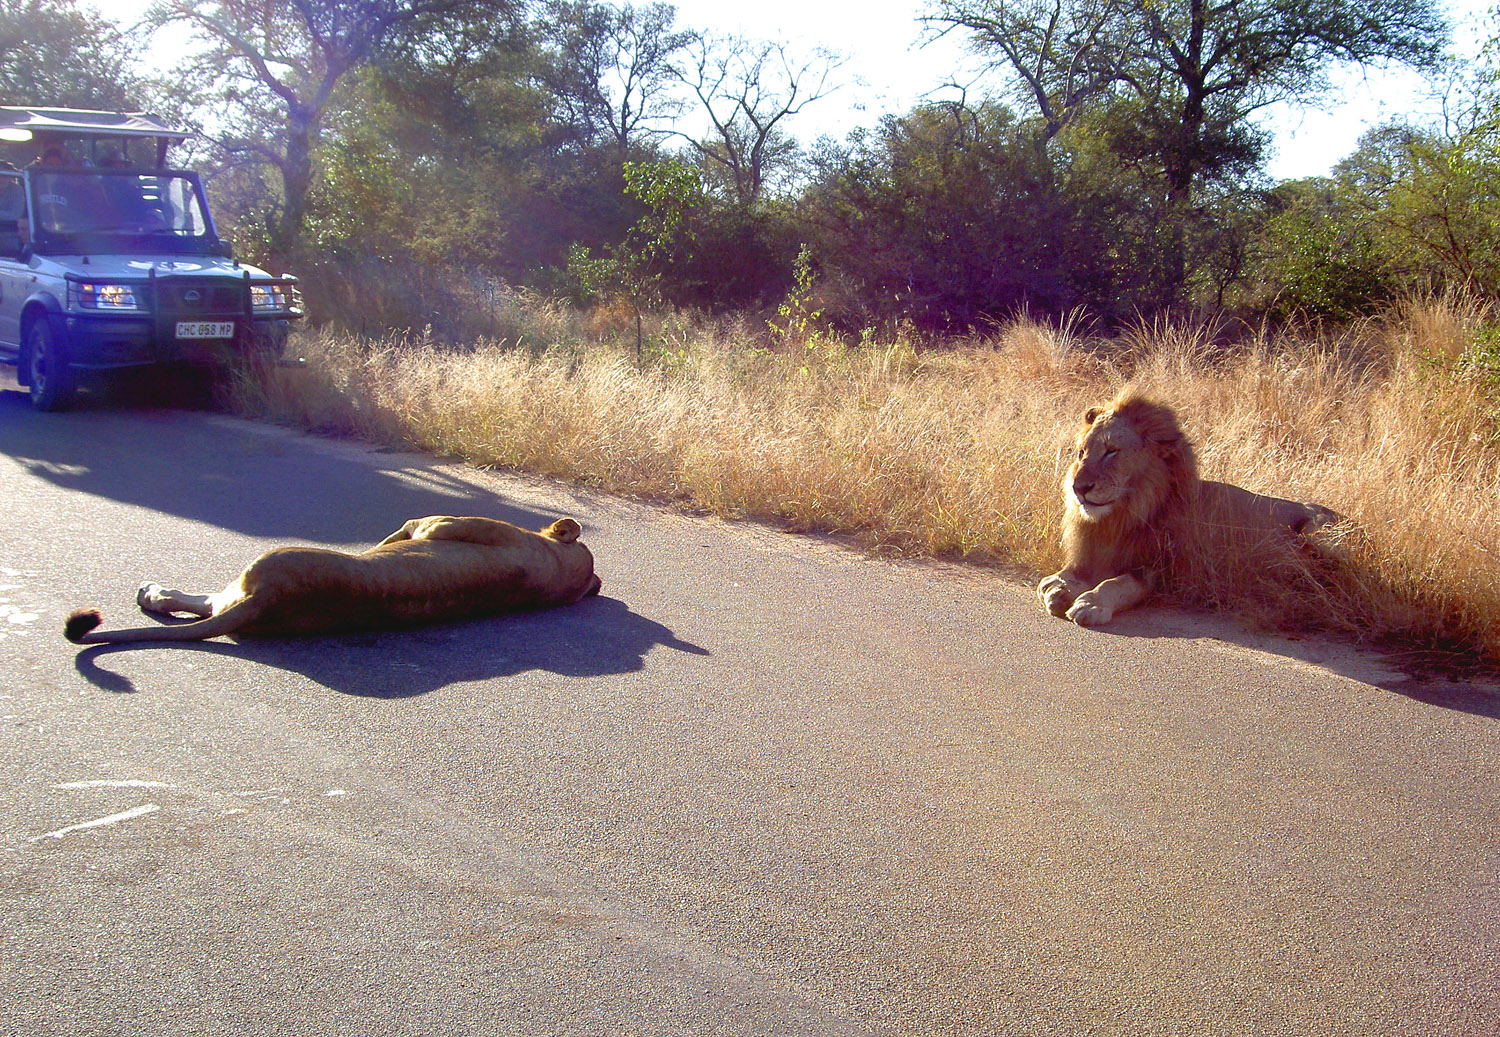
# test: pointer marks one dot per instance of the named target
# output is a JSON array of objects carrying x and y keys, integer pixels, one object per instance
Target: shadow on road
[
  {"x": 595, "y": 637},
  {"x": 235, "y": 475},
  {"x": 1392, "y": 673}
]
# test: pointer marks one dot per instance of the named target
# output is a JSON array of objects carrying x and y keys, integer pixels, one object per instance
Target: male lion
[
  {"x": 1134, "y": 503},
  {"x": 430, "y": 570}
]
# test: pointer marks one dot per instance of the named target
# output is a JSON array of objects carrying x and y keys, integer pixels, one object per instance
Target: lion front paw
[
  {"x": 1088, "y": 611},
  {"x": 1056, "y": 593}
]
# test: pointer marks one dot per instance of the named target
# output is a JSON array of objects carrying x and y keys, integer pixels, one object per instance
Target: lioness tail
[{"x": 81, "y": 623}]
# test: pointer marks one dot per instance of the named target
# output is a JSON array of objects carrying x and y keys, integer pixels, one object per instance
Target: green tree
[
  {"x": 447, "y": 168},
  {"x": 1171, "y": 84},
  {"x": 277, "y": 66},
  {"x": 946, "y": 217},
  {"x": 1190, "y": 71},
  {"x": 449, "y": 154},
  {"x": 1314, "y": 256},
  {"x": 636, "y": 268},
  {"x": 1432, "y": 200},
  {"x": 1431, "y": 194},
  {"x": 55, "y": 53}
]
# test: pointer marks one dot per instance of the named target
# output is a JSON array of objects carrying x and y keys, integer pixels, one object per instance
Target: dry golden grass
[{"x": 956, "y": 452}]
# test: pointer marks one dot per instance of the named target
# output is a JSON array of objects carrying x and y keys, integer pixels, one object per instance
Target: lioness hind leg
[
  {"x": 478, "y": 530},
  {"x": 1057, "y": 591},
  {"x": 153, "y": 597},
  {"x": 465, "y": 528},
  {"x": 404, "y": 533}
]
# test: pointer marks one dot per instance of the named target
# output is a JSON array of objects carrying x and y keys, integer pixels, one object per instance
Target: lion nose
[{"x": 1081, "y": 489}]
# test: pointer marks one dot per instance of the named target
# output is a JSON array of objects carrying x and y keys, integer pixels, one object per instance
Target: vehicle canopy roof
[{"x": 45, "y": 127}]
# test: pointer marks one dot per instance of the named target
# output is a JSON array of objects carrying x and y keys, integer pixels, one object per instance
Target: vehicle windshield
[{"x": 157, "y": 210}]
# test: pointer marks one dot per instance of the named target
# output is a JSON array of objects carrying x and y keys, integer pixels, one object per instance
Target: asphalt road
[{"x": 761, "y": 785}]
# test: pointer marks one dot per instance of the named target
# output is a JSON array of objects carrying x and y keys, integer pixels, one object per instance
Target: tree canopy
[
  {"x": 280, "y": 63},
  {"x": 604, "y": 152},
  {"x": 55, "y": 53},
  {"x": 1180, "y": 78}
]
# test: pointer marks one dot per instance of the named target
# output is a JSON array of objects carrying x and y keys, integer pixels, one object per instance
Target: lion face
[
  {"x": 1128, "y": 458},
  {"x": 1108, "y": 462}
]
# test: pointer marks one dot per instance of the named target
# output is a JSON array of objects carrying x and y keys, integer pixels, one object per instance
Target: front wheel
[{"x": 53, "y": 383}]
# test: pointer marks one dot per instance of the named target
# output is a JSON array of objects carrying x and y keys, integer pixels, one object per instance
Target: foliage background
[{"x": 405, "y": 154}]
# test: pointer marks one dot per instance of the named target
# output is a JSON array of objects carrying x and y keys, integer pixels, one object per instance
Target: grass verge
[{"x": 956, "y": 452}]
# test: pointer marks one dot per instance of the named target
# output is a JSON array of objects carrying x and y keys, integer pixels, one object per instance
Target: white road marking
[
  {"x": 15, "y": 619},
  {"x": 108, "y": 783},
  {"x": 112, "y": 819}
]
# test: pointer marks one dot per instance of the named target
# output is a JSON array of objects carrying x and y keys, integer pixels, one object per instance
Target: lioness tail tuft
[{"x": 80, "y": 622}]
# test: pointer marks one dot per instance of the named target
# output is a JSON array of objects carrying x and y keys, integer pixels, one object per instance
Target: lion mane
[
  {"x": 1135, "y": 511},
  {"x": 431, "y": 570}
]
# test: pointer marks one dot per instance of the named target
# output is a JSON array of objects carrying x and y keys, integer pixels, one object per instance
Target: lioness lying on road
[
  {"x": 1135, "y": 508},
  {"x": 430, "y": 570}
]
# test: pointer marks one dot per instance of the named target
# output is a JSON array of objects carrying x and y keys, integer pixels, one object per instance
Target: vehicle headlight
[
  {"x": 272, "y": 297},
  {"x": 104, "y": 296}
]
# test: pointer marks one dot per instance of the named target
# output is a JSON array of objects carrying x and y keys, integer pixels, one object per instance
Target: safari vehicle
[{"x": 109, "y": 259}]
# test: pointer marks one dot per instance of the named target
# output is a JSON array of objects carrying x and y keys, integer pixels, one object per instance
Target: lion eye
[{"x": 1110, "y": 451}]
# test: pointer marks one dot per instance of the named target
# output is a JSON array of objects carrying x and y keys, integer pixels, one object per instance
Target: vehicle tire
[{"x": 53, "y": 383}]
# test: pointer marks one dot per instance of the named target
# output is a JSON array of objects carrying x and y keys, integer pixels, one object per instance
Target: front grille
[{"x": 199, "y": 299}]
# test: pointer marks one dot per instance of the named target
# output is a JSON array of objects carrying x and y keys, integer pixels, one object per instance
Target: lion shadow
[
  {"x": 1395, "y": 672},
  {"x": 596, "y": 637}
]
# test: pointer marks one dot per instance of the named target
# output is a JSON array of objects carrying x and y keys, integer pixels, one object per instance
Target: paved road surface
[{"x": 761, "y": 786}]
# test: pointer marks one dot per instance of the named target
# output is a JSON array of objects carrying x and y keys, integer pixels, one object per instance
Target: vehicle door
[{"x": 15, "y": 275}]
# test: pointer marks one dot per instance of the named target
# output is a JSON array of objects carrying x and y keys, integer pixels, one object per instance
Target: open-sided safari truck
[{"x": 109, "y": 259}]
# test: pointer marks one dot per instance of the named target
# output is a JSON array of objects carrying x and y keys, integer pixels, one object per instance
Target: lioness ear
[
  {"x": 564, "y": 530},
  {"x": 1092, "y": 414}
]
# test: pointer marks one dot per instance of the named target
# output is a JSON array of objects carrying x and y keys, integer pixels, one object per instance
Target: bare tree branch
[{"x": 747, "y": 91}]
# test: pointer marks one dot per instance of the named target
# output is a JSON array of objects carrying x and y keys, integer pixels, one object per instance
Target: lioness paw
[
  {"x": 149, "y": 597},
  {"x": 1087, "y": 611}
]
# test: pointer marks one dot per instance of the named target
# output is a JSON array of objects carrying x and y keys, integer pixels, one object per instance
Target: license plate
[{"x": 205, "y": 329}]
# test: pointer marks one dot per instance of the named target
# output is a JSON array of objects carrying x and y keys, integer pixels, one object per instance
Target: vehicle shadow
[
  {"x": 236, "y": 474},
  {"x": 596, "y": 637}
]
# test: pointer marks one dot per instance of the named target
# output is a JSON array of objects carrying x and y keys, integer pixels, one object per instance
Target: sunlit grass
[{"x": 955, "y": 451}]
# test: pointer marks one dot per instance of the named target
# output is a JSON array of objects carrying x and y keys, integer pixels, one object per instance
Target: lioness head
[
  {"x": 1130, "y": 459},
  {"x": 564, "y": 530}
]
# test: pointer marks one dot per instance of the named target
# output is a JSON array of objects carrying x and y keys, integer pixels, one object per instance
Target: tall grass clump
[{"x": 957, "y": 451}]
